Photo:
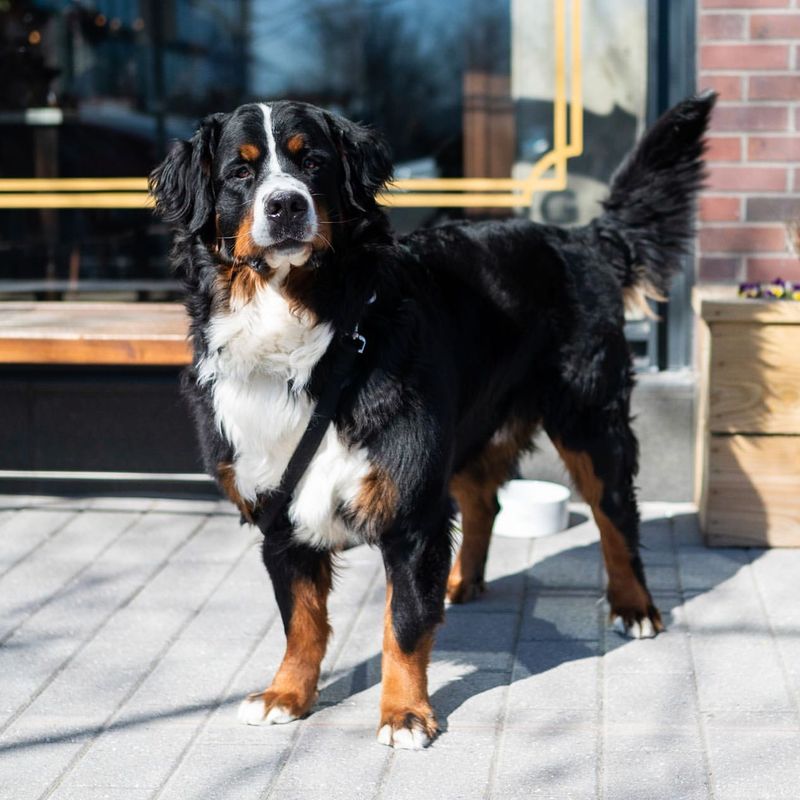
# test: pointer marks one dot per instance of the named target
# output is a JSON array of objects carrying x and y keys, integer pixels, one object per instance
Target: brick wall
[{"x": 749, "y": 51}]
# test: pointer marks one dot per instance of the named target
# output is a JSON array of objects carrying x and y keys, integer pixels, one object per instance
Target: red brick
[
  {"x": 719, "y": 269},
  {"x": 773, "y": 148},
  {"x": 775, "y": 87},
  {"x": 744, "y": 56},
  {"x": 721, "y": 26},
  {"x": 750, "y": 118},
  {"x": 778, "y": 208},
  {"x": 748, "y": 179},
  {"x": 723, "y": 148},
  {"x": 797, "y": 180},
  {"x": 767, "y": 269},
  {"x": 775, "y": 26},
  {"x": 729, "y": 87},
  {"x": 745, "y": 3},
  {"x": 743, "y": 239},
  {"x": 719, "y": 209}
]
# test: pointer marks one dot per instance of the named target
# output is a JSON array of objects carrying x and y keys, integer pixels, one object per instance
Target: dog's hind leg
[
  {"x": 416, "y": 563},
  {"x": 477, "y": 501},
  {"x": 301, "y": 578},
  {"x": 474, "y": 488},
  {"x": 603, "y": 465}
]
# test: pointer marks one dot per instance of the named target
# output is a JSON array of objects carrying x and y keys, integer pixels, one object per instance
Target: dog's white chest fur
[{"x": 256, "y": 353}]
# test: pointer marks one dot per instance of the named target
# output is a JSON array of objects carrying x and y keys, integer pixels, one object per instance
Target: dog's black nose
[{"x": 286, "y": 206}]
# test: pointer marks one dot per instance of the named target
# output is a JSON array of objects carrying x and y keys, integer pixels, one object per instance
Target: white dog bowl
[{"x": 532, "y": 508}]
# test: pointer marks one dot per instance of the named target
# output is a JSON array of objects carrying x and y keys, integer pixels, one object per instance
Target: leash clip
[{"x": 359, "y": 341}]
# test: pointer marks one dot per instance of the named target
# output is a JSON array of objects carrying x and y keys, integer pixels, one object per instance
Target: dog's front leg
[
  {"x": 301, "y": 578},
  {"x": 416, "y": 575}
]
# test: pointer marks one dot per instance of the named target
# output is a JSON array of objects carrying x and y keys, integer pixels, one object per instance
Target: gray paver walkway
[{"x": 131, "y": 629}]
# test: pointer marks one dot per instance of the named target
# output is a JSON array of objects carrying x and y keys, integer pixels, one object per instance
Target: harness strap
[{"x": 348, "y": 348}]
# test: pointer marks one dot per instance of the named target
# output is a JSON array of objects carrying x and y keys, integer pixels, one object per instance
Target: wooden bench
[{"x": 119, "y": 334}]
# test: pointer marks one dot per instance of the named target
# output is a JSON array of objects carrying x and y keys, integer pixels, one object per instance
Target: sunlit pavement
[{"x": 131, "y": 629}]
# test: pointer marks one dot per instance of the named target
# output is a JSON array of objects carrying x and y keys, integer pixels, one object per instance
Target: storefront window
[{"x": 96, "y": 90}]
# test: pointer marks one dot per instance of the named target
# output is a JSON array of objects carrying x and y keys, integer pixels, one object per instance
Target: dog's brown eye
[
  {"x": 243, "y": 172},
  {"x": 310, "y": 164}
]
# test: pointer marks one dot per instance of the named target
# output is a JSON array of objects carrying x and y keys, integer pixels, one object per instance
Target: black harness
[{"x": 349, "y": 346}]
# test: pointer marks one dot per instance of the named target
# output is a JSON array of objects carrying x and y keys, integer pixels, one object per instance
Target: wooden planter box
[{"x": 748, "y": 439}]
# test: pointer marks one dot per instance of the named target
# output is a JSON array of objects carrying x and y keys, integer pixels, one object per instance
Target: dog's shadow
[{"x": 529, "y": 622}]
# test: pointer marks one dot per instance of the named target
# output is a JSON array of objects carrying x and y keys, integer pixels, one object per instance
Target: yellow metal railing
[{"x": 549, "y": 173}]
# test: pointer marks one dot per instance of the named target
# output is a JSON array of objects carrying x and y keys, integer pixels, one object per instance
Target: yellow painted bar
[
  {"x": 77, "y": 200},
  {"x": 73, "y": 184}
]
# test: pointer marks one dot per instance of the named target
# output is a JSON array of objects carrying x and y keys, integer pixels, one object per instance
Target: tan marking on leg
[
  {"x": 250, "y": 152},
  {"x": 475, "y": 491},
  {"x": 227, "y": 479},
  {"x": 626, "y": 595},
  {"x": 477, "y": 504},
  {"x": 404, "y": 676},
  {"x": 375, "y": 504},
  {"x": 294, "y": 688}
]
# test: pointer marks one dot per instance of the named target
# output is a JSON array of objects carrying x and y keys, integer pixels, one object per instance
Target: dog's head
[{"x": 271, "y": 184}]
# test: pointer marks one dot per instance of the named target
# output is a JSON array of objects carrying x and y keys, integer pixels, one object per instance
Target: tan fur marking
[
  {"x": 376, "y": 502},
  {"x": 323, "y": 239},
  {"x": 294, "y": 687},
  {"x": 625, "y": 592},
  {"x": 250, "y": 152},
  {"x": 244, "y": 246},
  {"x": 475, "y": 489},
  {"x": 296, "y": 143},
  {"x": 404, "y": 677},
  {"x": 296, "y": 289},
  {"x": 227, "y": 479}
]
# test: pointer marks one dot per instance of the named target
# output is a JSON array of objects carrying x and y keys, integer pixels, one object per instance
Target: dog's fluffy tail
[{"x": 648, "y": 218}]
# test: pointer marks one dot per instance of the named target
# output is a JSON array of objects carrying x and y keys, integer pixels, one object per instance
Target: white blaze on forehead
[
  {"x": 272, "y": 150},
  {"x": 277, "y": 180}
]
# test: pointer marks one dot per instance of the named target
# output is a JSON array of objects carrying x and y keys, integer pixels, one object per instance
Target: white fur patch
[
  {"x": 277, "y": 180},
  {"x": 251, "y": 712},
  {"x": 413, "y": 738},
  {"x": 254, "y": 351},
  {"x": 638, "y": 630}
]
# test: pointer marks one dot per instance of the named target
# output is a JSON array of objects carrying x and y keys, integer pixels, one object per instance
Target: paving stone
[
  {"x": 552, "y": 764},
  {"x": 481, "y": 640},
  {"x": 456, "y": 767},
  {"x": 561, "y": 617},
  {"x": 230, "y": 772},
  {"x": 558, "y": 568},
  {"x": 747, "y": 764},
  {"x": 656, "y": 765},
  {"x": 686, "y": 526},
  {"x": 657, "y": 698},
  {"x": 553, "y": 675},
  {"x": 23, "y": 531},
  {"x": 702, "y": 568},
  {"x": 140, "y": 756}
]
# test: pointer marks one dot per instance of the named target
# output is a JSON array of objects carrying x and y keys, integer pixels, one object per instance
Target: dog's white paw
[
  {"x": 638, "y": 629},
  {"x": 252, "y": 711},
  {"x": 414, "y": 738}
]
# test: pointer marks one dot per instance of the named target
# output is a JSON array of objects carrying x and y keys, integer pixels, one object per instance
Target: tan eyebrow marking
[
  {"x": 296, "y": 143},
  {"x": 249, "y": 152}
]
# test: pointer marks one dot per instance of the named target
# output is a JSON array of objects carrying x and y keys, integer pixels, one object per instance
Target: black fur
[{"x": 475, "y": 326}]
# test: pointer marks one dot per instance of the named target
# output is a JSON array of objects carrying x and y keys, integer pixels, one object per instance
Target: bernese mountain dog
[{"x": 475, "y": 335}]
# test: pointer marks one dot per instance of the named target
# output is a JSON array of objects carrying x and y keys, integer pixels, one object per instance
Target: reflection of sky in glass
[{"x": 293, "y": 44}]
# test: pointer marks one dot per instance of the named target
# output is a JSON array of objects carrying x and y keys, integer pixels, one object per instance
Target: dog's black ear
[
  {"x": 366, "y": 159},
  {"x": 182, "y": 183}
]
